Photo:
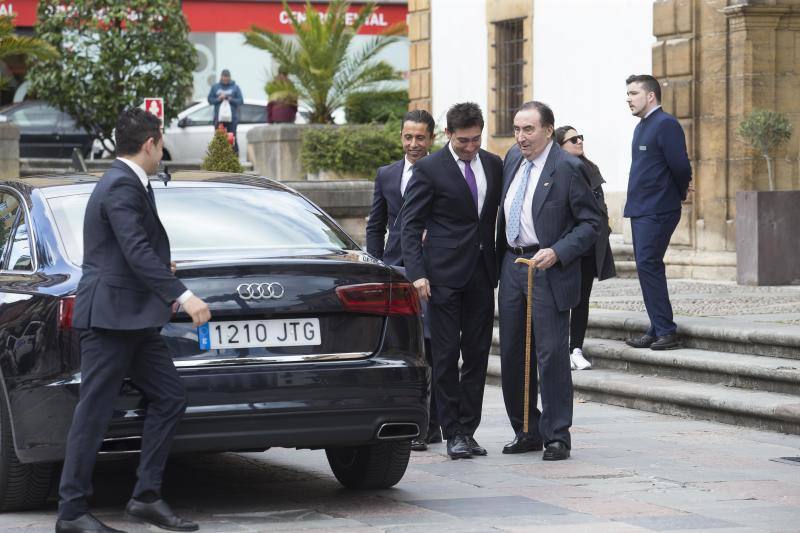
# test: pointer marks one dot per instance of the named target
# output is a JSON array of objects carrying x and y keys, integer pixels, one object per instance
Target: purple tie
[{"x": 471, "y": 183}]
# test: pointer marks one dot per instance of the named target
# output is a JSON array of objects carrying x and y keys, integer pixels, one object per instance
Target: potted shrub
[
  {"x": 282, "y": 94},
  {"x": 767, "y": 239}
]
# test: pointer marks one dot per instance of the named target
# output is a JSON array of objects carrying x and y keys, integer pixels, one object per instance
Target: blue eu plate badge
[{"x": 204, "y": 337}]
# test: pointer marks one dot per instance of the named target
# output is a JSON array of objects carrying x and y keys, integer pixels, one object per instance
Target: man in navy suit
[
  {"x": 549, "y": 215},
  {"x": 658, "y": 183},
  {"x": 123, "y": 300},
  {"x": 454, "y": 194},
  {"x": 390, "y": 186}
]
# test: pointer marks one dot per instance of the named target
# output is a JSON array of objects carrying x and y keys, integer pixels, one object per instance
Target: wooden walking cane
[{"x": 528, "y": 322}]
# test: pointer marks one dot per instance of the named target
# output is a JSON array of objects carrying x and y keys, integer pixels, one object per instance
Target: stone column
[
  {"x": 9, "y": 150},
  {"x": 419, "y": 34}
]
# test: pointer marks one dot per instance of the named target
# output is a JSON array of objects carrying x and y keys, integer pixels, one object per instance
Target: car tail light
[
  {"x": 380, "y": 298},
  {"x": 65, "y": 308}
]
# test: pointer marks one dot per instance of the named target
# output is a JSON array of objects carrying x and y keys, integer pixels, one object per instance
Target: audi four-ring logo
[{"x": 260, "y": 291}]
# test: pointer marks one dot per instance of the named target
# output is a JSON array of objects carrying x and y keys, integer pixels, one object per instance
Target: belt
[{"x": 523, "y": 250}]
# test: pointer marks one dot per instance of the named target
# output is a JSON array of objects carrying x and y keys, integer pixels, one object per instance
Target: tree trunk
[{"x": 769, "y": 172}]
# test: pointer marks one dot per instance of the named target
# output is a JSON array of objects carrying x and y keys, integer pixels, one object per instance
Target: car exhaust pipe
[
  {"x": 120, "y": 445},
  {"x": 398, "y": 431}
]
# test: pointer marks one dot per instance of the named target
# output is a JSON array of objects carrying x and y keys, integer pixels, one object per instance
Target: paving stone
[{"x": 677, "y": 522}]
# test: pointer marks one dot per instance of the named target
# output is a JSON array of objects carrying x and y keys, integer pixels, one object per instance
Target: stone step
[
  {"x": 730, "y": 405},
  {"x": 754, "y": 372}
]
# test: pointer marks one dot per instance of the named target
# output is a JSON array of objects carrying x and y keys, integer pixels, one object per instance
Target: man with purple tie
[{"x": 454, "y": 194}]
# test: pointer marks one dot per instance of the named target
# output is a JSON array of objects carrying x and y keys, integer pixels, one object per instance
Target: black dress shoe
[
  {"x": 556, "y": 451},
  {"x": 474, "y": 447},
  {"x": 84, "y": 524},
  {"x": 418, "y": 445},
  {"x": 159, "y": 514},
  {"x": 642, "y": 342},
  {"x": 666, "y": 342},
  {"x": 523, "y": 443},
  {"x": 458, "y": 447},
  {"x": 434, "y": 436}
]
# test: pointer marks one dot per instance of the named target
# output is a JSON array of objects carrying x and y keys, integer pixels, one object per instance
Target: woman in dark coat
[{"x": 598, "y": 261}]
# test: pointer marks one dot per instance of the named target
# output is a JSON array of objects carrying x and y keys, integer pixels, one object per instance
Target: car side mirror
[{"x": 185, "y": 121}]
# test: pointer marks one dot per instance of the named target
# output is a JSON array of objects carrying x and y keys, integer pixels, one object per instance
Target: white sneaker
[{"x": 577, "y": 361}]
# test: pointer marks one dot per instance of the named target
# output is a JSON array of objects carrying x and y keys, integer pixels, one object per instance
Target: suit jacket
[
  {"x": 660, "y": 168},
  {"x": 127, "y": 283},
  {"x": 386, "y": 204},
  {"x": 438, "y": 199},
  {"x": 565, "y": 216}
]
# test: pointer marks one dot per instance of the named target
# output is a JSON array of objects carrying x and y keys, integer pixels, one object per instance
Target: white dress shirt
[
  {"x": 142, "y": 175},
  {"x": 407, "y": 171},
  {"x": 651, "y": 111},
  {"x": 527, "y": 233},
  {"x": 477, "y": 169}
]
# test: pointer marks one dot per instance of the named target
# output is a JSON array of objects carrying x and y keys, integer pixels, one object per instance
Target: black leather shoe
[
  {"x": 434, "y": 436},
  {"x": 84, "y": 524},
  {"x": 523, "y": 443},
  {"x": 642, "y": 342},
  {"x": 418, "y": 445},
  {"x": 458, "y": 447},
  {"x": 667, "y": 342},
  {"x": 159, "y": 514},
  {"x": 556, "y": 451},
  {"x": 474, "y": 447}
]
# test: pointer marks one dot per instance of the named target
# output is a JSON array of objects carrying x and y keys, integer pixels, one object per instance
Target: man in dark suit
[
  {"x": 123, "y": 300},
  {"x": 547, "y": 214},
  {"x": 390, "y": 186},
  {"x": 454, "y": 194},
  {"x": 658, "y": 183}
]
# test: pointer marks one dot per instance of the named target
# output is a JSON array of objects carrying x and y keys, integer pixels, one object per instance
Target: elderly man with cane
[{"x": 548, "y": 219}]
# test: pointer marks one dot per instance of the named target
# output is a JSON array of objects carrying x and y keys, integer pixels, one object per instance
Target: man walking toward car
[
  {"x": 123, "y": 300},
  {"x": 226, "y": 97},
  {"x": 658, "y": 183},
  {"x": 454, "y": 194},
  {"x": 391, "y": 183},
  {"x": 548, "y": 215}
]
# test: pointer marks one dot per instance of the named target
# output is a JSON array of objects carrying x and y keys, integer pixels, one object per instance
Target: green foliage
[
  {"x": 281, "y": 89},
  {"x": 357, "y": 149},
  {"x": 766, "y": 130},
  {"x": 375, "y": 106},
  {"x": 220, "y": 156},
  {"x": 16, "y": 45},
  {"x": 319, "y": 59},
  {"x": 113, "y": 55}
]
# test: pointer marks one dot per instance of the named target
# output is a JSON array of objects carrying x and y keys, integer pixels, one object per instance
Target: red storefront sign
[{"x": 224, "y": 16}]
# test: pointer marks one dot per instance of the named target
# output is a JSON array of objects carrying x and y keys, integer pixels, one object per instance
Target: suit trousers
[
  {"x": 651, "y": 236},
  {"x": 461, "y": 321},
  {"x": 107, "y": 357},
  {"x": 550, "y": 354}
]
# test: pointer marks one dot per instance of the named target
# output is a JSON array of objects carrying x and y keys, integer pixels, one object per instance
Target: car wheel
[
  {"x": 375, "y": 466},
  {"x": 22, "y": 486}
]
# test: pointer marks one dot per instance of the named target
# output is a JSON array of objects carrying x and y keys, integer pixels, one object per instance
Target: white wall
[
  {"x": 458, "y": 56},
  {"x": 583, "y": 50}
]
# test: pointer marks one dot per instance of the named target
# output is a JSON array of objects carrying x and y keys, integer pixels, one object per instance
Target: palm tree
[
  {"x": 320, "y": 63},
  {"x": 16, "y": 45}
]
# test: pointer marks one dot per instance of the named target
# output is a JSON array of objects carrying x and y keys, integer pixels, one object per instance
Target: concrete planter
[
  {"x": 333, "y": 175},
  {"x": 768, "y": 237}
]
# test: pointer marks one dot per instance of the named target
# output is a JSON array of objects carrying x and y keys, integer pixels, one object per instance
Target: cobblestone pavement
[
  {"x": 630, "y": 471},
  {"x": 704, "y": 298}
]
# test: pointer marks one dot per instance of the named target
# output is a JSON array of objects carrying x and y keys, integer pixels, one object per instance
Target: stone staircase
[{"x": 734, "y": 370}]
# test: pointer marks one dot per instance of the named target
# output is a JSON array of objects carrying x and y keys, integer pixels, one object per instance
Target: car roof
[{"x": 52, "y": 185}]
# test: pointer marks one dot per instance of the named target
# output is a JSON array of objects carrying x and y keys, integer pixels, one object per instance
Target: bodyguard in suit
[
  {"x": 390, "y": 186},
  {"x": 658, "y": 183},
  {"x": 454, "y": 193},
  {"x": 123, "y": 300},
  {"x": 547, "y": 214}
]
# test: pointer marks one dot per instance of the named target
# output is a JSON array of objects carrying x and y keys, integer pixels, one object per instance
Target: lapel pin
[{"x": 546, "y": 184}]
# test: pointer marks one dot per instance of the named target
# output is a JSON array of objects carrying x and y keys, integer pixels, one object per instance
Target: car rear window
[{"x": 224, "y": 222}]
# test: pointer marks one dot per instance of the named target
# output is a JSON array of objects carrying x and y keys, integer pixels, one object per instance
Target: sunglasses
[{"x": 574, "y": 140}]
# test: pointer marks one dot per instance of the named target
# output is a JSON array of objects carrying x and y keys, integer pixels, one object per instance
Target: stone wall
[
  {"x": 419, "y": 34},
  {"x": 9, "y": 150},
  {"x": 348, "y": 202},
  {"x": 276, "y": 151}
]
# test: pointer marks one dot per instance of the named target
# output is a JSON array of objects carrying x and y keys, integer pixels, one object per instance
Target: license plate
[{"x": 259, "y": 333}]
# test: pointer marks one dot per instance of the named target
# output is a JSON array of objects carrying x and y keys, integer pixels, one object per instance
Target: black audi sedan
[{"x": 312, "y": 342}]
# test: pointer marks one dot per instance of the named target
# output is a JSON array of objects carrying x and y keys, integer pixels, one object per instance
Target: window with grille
[{"x": 509, "y": 85}]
